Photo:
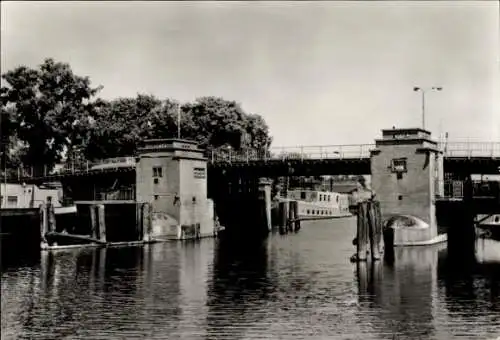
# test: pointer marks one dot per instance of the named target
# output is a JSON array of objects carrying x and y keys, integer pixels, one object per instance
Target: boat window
[
  {"x": 308, "y": 211},
  {"x": 337, "y": 199},
  {"x": 303, "y": 195},
  {"x": 329, "y": 196},
  {"x": 320, "y": 197}
]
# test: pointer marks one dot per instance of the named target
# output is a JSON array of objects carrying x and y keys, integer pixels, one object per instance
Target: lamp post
[
  {"x": 423, "y": 90},
  {"x": 179, "y": 121}
]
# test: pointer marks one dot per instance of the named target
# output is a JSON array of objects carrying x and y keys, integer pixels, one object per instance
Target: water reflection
[
  {"x": 471, "y": 285},
  {"x": 239, "y": 288},
  {"x": 424, "y": 288},
  {"x": 401, "y": 294},
  {"x": 287, "y": 286}
]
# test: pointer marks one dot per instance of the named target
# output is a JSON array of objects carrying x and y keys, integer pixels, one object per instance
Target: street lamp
[
  {"x": 423, "y": 90},
  {"x": 179, "y": 121}
]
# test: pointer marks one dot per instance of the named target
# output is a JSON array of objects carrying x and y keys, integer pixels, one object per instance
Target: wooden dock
[{"x": 88, "y": 224}]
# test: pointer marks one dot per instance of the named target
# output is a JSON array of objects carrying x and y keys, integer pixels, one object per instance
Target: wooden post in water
[
  {"x": 283, "y": 216},
  {"x": 102, "y": 222},
  {"x": 44, "y": 227},
  {"x": 296, "y": 220},
  {"x": 362, "y": 226},
  {"x": 51, "y": 216},
  {"x": 265, "y": 202},
  {"x": 379, "y": 224},
  {"x": 291, "y": 215},
  {"x": 147, "y": 217},
  {"x": 93, "y": 220},
  {"x": 139, "y": 220},
  {"x": 373, "y": 230}
]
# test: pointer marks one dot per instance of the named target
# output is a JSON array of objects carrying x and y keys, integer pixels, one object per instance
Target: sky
[{"x": 320, "y": 73}]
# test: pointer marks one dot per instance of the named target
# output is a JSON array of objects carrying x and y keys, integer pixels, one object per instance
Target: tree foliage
[
  {"x": 217, "y": 123},
  {"x": 213, "y": 122},
  {"x": 122, "y": 123},
  {"x": 49, "y": 110}
]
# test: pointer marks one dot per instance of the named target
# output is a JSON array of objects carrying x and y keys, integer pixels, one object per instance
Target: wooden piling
[
  {"x": 51, "y": 217},
  {"x": 362, "y": 232},
  {"x": 93, "y": 220},
  {"x": 139, "y": 220},
  {"x": 44, "y": 227},
  {"x": 102, "y": 222},
  {"x": 296, "y": 220},
  {"x": 283, "y": 216},
  {"x": 291, "y": 215},
  {"x": 379, "y": 224},
  {"x": 147, "y": 217},
  {"x": 267, "y": 211},
  {"x": 264, "y": 195},
  {"x": 372, "y": 231}
]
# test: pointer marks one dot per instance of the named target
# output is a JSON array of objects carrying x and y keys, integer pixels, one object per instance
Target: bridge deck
[{"x": 477, "y": 157}]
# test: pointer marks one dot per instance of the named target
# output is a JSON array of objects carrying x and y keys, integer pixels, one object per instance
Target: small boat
[
  {"x": 314, "y": 204},
  {"x": 489, "y": 226}
]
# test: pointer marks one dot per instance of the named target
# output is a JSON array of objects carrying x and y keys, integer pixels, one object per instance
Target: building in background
[{"x": 23, "y": 196}]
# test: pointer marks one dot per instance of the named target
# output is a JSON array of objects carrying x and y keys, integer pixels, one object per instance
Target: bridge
[
  {"x": 235, "y": 178},
  {"x": 459, "y": 158}
]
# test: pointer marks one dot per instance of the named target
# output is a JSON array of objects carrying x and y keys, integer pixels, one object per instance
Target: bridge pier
[
  {"x": 243, "y": 205},
  {"x": 406, "y": 168},
  {"x": 171, "y": 174}
]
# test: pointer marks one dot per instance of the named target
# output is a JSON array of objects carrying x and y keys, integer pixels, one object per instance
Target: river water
[{"x": 295, "y": 286}]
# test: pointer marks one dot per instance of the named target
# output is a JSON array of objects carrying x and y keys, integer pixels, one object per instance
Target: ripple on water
[{"x": 298, "y": 286}]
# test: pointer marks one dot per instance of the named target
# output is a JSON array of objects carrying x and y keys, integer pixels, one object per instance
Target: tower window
[
  {"x": 157, "y": 171},
  {"x": 398, "y": 165}
]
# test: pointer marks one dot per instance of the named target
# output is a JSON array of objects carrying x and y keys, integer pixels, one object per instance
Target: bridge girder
[{"x": 277, "y": 168}]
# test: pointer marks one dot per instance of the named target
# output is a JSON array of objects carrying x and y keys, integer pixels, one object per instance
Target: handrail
[{"x": 465, "y": 150}]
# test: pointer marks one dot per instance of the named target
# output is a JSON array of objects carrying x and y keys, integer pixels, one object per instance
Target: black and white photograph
[{"x": 250, "y": 170}]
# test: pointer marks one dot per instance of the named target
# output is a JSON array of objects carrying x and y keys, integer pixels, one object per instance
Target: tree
[
  {"x": 121, "y": 124},
  {"x": 51, "y": 110},
  {"x": 216, "y": 122}
]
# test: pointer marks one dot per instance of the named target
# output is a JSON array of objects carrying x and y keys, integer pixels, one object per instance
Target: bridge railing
[
  {"x": 354, "y": 151},
  {"x": 471, "y": 149}
]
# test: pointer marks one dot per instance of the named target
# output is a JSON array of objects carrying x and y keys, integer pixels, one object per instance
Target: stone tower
[
  {"x": 407, "y": 174},
  {"x": 172, "y": 175}
]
